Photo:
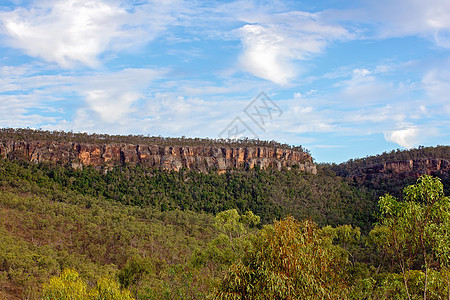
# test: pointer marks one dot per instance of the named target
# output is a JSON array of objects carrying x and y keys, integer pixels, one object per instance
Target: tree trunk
[{"x": 405, "y": 281}]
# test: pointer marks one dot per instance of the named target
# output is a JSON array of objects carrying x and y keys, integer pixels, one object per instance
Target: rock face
[
  {"x": 407, "y": 168},
  {"x": 202, "y": 158}
]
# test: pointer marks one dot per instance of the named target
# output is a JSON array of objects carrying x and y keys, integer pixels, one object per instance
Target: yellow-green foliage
[
  {"x": 391, "y": 286},
  {"x": 109, "y": 289},
  {"x": 69, "y": 286},
  {"x": 290, "y": 260},
  {"x": 234, "y": 238}
]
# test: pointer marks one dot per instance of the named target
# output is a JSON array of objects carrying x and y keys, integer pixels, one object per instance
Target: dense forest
[
  {"x": 271, "y": 194},
  {"x": 139, "y": 233}
]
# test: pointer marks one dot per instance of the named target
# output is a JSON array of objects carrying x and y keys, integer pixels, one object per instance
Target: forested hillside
[
  {"x": 131, "y": 231},
  {"x": 324, "y": 198},
  {"x": 53, "y": 217},
  {"x": 46, "y": 228}
]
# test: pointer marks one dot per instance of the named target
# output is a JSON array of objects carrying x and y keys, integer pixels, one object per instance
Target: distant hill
[{"x": 390, "y": 172}]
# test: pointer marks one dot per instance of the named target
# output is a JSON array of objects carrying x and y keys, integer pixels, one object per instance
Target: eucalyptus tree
[{"x": 415, "y": 231}]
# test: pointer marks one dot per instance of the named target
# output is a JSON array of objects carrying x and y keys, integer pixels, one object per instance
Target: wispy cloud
[
  {"x": 273, "y": 46},
  {"x": 398, "y": 18},
  {"x": 405, "y": 17},
  {"x": 436, "y": 82},
  {"x": 112, "y": 95}
]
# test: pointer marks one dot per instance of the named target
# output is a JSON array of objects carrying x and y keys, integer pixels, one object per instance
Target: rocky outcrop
[
  {"x": 407, "y": 168},
  {"x": 202, "y": 158}
]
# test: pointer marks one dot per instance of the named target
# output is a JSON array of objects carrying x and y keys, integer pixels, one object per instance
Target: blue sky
[{"x": 344, "y": 79}]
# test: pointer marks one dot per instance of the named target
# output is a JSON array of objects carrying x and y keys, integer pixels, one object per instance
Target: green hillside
[
  {"x": 187, "y": 234},
  {"x": 95, "y": 222}
]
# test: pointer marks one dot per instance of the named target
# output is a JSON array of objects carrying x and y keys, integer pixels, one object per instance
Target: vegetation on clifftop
[{"x": 20, "y": 134}]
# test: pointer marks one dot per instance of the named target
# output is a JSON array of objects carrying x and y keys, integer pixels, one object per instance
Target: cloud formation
[
  {"x": 274, "y": 45},
  {"x": 70, "y": 32},
  {"x": 406, "y": 137},
  {"x": 64, "y": 32},
  {"x": 112, "y": 95},
  {"x": 398, "y": 18}
]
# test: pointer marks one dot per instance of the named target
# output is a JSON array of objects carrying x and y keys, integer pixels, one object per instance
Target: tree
[
  {"x": 289, "y": 260},
  {"x": 67, "y": 286},
  {"x": 415, "y": 231},
  {"x": 132, "y": 274},
  {"x": 108, "y": 289},
  {"x": 234, "y": 226},
  {"x": 233, "y": 240}
]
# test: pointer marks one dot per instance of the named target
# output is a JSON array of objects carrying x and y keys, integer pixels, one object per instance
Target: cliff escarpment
[
  {"x": 197, "y": 157},
  {"x": 407, "y": 168},
  {"x": 398, "y": 164}
]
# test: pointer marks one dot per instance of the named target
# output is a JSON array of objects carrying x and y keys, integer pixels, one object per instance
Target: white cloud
[
  {"x": 15, "y": 112},
  {"x": 365, "y": 88},
  {"x": 69, "y": 32},
  {"x": 112, "y": 95},
  {"x": 163, "y": 114},
  {"x": 264, "y": 55},
  {"x": 405, "y": 137},
  {"x": 359, "y": 73},
  {"x": 436, "y": 82},
  {"x": 64, "y": 31},
  {"x": 397, "y": 18},
  {"x": 276, "y": 42},
  {"x": 106, "y": 97}
]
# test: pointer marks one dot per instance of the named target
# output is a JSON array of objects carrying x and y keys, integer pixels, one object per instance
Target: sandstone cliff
[
  {"x": 202, "y": 158},
  {"x": 406, "y": 168}
]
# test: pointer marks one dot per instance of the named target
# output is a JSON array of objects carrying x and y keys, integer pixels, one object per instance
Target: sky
[{"x": 344, "y": 79}]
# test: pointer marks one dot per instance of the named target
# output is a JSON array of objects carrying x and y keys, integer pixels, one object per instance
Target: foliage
[
  {"x": 56, "y": 217},
  {"x": 290, "y": 260},
  {"x": 132, "y": 274},
  {"x": 235, "y": 227},
  {"x": 40, "y": 236},
  {"x": 270, "y": 194},
  {"x": 108, "y": 289},
  {"x": 69, "y": 286},
  {"x": 415, "y": 232},
  {"x": 174, "y": 235},
  {"x": 233, "y": 241}
]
